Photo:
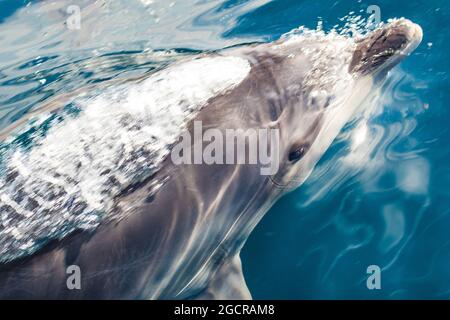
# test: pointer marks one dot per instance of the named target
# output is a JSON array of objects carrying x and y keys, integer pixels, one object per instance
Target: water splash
[{"x": 69, "y": 178}]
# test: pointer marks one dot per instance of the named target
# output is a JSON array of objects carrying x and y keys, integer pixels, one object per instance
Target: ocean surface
[{"x": 380, "y": 195}]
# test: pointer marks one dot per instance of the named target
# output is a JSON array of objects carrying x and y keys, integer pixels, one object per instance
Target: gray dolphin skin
[{"x": 183, "y": 240}]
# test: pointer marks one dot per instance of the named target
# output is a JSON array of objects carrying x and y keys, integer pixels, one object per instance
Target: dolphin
[{"x": 175, "y": 230}]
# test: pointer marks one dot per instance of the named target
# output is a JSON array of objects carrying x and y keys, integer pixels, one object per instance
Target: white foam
[
  {"x": 329, "y": 53},
  {"x": 71, "y": 176}
]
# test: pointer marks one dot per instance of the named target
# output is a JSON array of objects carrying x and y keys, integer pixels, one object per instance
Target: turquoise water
[{"x": 386, "y": 204}]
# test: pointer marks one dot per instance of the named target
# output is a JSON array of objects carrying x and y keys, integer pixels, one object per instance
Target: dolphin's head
[
  {"x": 331, "y": 76},
  {"x": 384, "y": 48}
]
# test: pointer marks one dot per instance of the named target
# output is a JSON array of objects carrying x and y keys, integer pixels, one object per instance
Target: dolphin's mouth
[{"x": 385, "y": 47}]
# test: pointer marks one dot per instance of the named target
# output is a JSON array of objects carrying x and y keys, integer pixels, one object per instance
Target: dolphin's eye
[{"x": 297, "y": 152}]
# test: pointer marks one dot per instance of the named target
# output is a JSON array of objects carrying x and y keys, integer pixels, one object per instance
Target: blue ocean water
[{"x": 386, "y": 203}]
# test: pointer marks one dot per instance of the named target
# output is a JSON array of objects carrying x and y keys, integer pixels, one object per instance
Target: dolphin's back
[
  {"x": 169, "y": 241},
  {"x": 77, "y": 160}
]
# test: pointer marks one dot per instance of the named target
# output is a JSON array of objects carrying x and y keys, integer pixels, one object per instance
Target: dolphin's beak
[{"x": 385, "y": 47}]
